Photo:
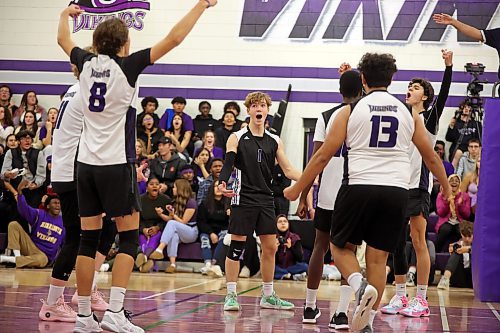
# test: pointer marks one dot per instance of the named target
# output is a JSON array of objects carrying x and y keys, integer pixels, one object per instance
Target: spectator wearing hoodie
[
  {"x": 467, "y": 162},
  {"x": 166, "y": 167},
  {"x": 289, "y": 256},
  {"x": 204, "y": 121}
]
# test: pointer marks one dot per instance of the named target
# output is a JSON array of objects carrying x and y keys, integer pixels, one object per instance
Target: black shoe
[
  {"x": 339, "y": 321},
  {"x": 310, "y": 315},
  {"x": 367, "y": 329}
]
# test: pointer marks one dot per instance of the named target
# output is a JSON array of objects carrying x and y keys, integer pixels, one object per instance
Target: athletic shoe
[
  {"x": 215, "y": 271},
  {"x": 339, "y": 321},
  {"x": 418, "y": 307},
  {"x": 444, "y": 283},
  {"x": 118, "y": 322},
  {"x": 274, "y": 302},
  {"x": 310, "y": 315},
  {"x": 396, "y": 305},
  {"x": 366, "y": 296},
  {"x": 156, "y": 255},
  {"x": 204, "y": 270},
  {"x": 60, "y": 311},
  {"x": 170, "y": 269},
  {"x": 231, "y": 302},
  {"x": 140, "y": 260},
  {"x": 410, "y": 279},
  {"x": 366, "y": 329},
  {"x": 87, "y": 324},
  {"x": 97, "y": 302},
  {"x": 299, "y": 277},
  {"x": 245, "y": 272},
  {"x": 147, "y": 266}
]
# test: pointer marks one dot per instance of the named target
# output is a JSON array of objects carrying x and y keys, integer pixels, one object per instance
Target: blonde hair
[
  {"x": 256, "y": 97},
  {"x": 184, "y": 193}
]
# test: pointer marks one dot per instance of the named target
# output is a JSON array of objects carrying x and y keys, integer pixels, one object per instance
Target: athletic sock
[
  {"x": 84, "y": 306},
  {"x": 231, "y": 287},
  {"x": 345, "y": 299},
  {"x": 54, "y": 293},
  {"x": 311, "y": 298},
  {"x": 401, "y": 289},
  {"x": 373, "y": 313},
  {"x": 17, "y": 253},
  {"x": 354, "y": 280},
  {"x": 116, "y": 297},
  {"x": 267, "y": 288},
  {"x": 8, "y": 259},
  {"x": 94, "y": 282},
  {"x": 422, "y": 291},
  {"x": 412, "y": 269}
]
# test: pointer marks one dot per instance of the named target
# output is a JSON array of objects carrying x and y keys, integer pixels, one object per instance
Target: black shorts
[
  {"x": 110, "y": 189},
  {"x": 247, "y": 219},
  {"x": 371, "y": 213},
  {"x": 69, "y": 210},
  {"x": 419, "y": 201},
  {"x": 323, "y": 219}
]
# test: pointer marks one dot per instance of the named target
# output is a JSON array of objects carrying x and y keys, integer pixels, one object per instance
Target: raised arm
[
  {"x": 466, "y": 29},
  {"x": 180, "y": 30},
  {"x": 63, "y": 35}
]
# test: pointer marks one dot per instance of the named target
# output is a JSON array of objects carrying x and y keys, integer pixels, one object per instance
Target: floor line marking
[
  {"x": 495, "y": 312},
  {"x": 444, "y": 318},
  {"x": 180, "y": 315},
  {"x": 177, "y": 289}
]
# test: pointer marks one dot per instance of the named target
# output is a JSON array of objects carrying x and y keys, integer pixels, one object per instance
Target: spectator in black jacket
[
  {"x": 203, "y": 122},
  {"x": 228, "y": 127},
  {"x": 149, "y": 106}
]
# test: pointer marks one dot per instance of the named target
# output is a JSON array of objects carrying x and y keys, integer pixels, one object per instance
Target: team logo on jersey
[{"x": 132, "y": 12}]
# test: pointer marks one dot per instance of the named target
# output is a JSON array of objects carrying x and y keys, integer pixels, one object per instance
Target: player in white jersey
[
  {"x": 371, "y": 203},
  {"x": 330, "y": 181},
  {"x": 420, "y": 99},
  {"x": 106, "y": 175}
]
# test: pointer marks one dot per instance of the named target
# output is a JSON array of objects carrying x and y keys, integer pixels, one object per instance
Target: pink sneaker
[
  {"x": 96, "y": 298},
  {"x": 396, "y": 305},
  {"x": 418, "y": 307},
  {"x": 60, "y": 311}
]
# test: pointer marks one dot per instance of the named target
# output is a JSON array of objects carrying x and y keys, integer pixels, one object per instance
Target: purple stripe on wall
[
  {"x": 245, "y": 71},
  {"x": 212, "y": 94}
]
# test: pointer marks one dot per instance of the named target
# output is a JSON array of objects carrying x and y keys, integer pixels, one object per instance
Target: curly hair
[
  {"x": 184, "y": 193},
  {"x": 232, "y": 104},
  {"x": 428, "y": 90},
  {"x": 377, "y": 69},
  {"x": 257, "y": 96},
  {"x": 110, "y": 36}
]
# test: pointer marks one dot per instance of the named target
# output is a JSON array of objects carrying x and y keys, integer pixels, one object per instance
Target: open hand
[
  {"x": 442, "y": 19},
  {"x": 225, "y": 191}
]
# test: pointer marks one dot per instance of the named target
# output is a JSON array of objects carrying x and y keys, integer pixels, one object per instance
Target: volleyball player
[
  {"x": 106, "y": 174},
  {"x": 371, "y": 203}
]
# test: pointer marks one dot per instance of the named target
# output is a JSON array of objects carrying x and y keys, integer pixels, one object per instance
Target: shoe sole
[
  {"x": 231, "y": 308},
  {"x": 76, "y": 330},
  {"x": 140, "y": 260},
  {"x": 311, "y": 321},
  {"x": 146, "y": 267},
  {"x": 361, "y": 314},
  {"x": 109, "y": 327},
  {"x": 156, "y": 256},
  {"x": 275, "y": 307},
  {"x": 339, "y": 327},
  {"x": 170, "y": 269},
  {"x": 415, "y": 316},
  {"x": 50, "y": 320},
  {"x": 390, "y": 312}
]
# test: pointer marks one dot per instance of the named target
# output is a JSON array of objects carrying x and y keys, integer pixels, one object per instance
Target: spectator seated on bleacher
[
  {"x": 289, "y": 255},
  {"x": 451, "y": 212},
  {"x": 153, "y": 218},
  {"x": 458, "y": 269},
  {"x": 203, "y": 122},
  {"x": 181, "y": 225},
  {"x": 213, "y": 223},
  {"x": 467, "y": 162},
  {"x": 215, "y": 168},
  {"x": 470, "y": 184},
  {"x": 40, "y": 247}
]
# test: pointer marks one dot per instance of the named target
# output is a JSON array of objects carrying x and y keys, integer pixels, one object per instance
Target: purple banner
[{"x": 99, "y": 6}]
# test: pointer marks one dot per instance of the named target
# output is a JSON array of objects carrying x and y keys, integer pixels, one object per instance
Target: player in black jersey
[{"x": 253, "y": 152}]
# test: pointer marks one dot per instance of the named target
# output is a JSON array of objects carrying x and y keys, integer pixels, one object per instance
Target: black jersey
[{"x": 254, "y": 166}]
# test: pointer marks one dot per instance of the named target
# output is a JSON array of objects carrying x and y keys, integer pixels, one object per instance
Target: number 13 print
[{"x": 387, "y": 125}]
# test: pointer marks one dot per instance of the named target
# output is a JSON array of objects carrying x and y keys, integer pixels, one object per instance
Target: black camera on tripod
[{"x": 475, "y": 87}]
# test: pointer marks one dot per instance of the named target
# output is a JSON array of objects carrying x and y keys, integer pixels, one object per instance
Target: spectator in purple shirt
[
  {"x": 178, "y": 104},
  {"x": 39, "y": 247},
  {"x": 209, "y": 144},
  {"x": 45, "y": 133},
  {"x": 439, "y": 149}
]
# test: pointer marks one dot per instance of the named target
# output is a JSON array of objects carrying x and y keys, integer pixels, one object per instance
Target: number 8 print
[{"x": 96, "y": 99}]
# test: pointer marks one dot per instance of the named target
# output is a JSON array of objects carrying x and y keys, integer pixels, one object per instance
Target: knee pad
[
  {"x": 107, "y": 237},
  {"x": 129, "y": 242},
  {"x": 236, "y": 250},
  {"x": 88, "y": 243}
]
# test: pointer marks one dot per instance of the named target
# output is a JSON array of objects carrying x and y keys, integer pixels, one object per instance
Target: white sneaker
[
  {"x": 245, "y": 272},
  {"x": 88, "y": 324},
  {"x": 444, "y": 283},
  {"x": 215, "y": 271},
  {"x": 117, "y": 322}
]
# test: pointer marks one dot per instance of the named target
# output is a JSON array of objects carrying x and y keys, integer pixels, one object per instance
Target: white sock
[
  {"x": 311, "y": 298},
  {"x": 8, "y": 259},
  {"x": 17, "y": 253},
  {"x": 354, "y": 280},
  {"x": 54, "y": 293},
  {"x": 231, "y": 287},
  {"x": 344, "y": 300},
  {"x": 401, "y": 289},
  {"x": 94, "y": 282},
  {"x": 422, "y": 291},
  {"x": 84, "y": 306},
  {"x": 412, "y": 269},
  {"x": 159, "y": 251},
  {"x": 267, "y": 288},
  {"x": 373, "y": 313},
  {"x": 116, "y": 297}
]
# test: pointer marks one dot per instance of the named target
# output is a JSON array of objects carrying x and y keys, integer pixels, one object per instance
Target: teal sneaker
[
  {"x": 231, "y": 302},
  {"x": 274, "y": 302}
]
